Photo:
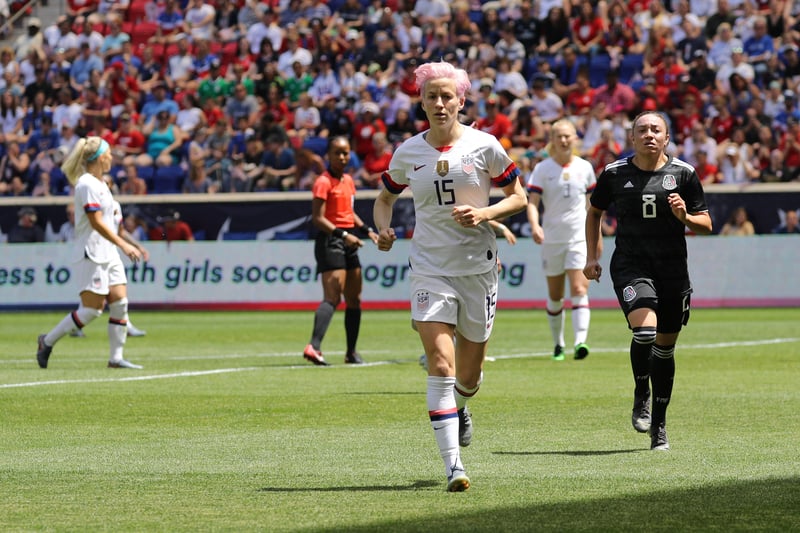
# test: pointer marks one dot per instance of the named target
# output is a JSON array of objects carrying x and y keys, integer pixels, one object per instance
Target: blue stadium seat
[
  {"x": 598, "y": 68},
  {"x": 146, "y": 173},
  {"x": 59, "y": 184},
  {"x": 629, "y": 66},
  {"x": 168, "y": 180},
  {"x": 318, "y": 145}
]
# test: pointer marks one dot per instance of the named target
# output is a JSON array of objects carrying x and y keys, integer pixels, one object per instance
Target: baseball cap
[
  {"x": 31, "y": 212},
  {"x": 34, "y": 22}
]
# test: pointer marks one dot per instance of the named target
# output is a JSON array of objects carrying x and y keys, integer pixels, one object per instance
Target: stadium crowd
[{"x": 201, "y": 96}]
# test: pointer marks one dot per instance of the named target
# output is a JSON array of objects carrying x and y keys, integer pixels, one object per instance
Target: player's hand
[
  {"x": 467, "y": 216},
  {"x": 538, "y": 235},
  {"x": 386, "y": 239},
  {"x": 678, "y": 206},
  {"x": 593, "y": 270},
  {"x": 351, "y": 241},
  {"x": 132, "y": 253}
]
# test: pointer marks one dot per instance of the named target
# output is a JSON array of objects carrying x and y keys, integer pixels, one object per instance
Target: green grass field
[{"x": 228, "y": 429}]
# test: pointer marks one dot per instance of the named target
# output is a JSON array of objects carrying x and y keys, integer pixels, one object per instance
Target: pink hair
[{"x": 433, "y": 71}]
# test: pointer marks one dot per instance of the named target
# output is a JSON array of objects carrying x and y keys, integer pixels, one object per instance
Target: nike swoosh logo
[
  {"x": 418, "y": 167},
  {"x": 437, "y": 429}
]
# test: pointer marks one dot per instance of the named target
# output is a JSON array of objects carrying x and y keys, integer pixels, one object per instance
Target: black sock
[
  {"x": 322, "y": 319},
  {"x": 352, "y": 323},
  {"x": 640, "y": 364},
  {"x": 662, "y": 372}
]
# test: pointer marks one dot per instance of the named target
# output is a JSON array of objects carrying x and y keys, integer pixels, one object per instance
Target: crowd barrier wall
[
  {"x": 759, "y": 271},
  {"x": 255, "y": 251}
]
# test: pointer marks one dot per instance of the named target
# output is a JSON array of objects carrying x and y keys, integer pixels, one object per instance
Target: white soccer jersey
[
  {"x": 91, "y": 194},
  {"x": 441, "y": 179},
  {"x": 563, "y": 191}
]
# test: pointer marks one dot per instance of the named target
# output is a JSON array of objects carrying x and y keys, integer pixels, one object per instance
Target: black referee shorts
[{"x": 331, "y": 254}]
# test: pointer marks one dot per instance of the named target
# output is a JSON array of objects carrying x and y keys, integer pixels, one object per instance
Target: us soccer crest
[
  {"x": 423, "y": 300},
  {"x": 669, "y": 183},
  {"x": 442, "y": 167},
  {"x": 628, "y": 293},
  {"x": 468, "y": 163}
]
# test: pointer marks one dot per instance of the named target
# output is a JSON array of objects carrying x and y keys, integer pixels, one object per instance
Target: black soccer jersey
[{"x": 650, "y": 239}]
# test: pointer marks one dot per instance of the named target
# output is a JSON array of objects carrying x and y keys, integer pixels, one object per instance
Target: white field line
[{"x": 197, "y": 373}]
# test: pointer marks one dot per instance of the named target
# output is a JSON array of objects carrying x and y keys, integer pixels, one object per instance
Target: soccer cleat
[
  {"x": 640, "y": 416},
  {"x": 43, "y": 352},
  {"x": 558, "y": 353},
  {"x": 133, "y": 331},
  {"x": 581, "y": 351},
  {"x": 353, "y": 359},
  {"x": 457, "y": 481},
  {"x": 464, "y": 427},
  {"x": 658, "y": 438},
  {"x": 315, "y": 356},
  {"x": 122, "y": 363},
  {"x": 77, "y": 333}
]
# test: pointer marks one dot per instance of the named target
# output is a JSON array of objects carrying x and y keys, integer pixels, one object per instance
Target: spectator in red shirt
[
  {"x": 668, "y": 73},
  {"x": 587, "y": 29},
  {"x": 579, "y": 100},
  {"x": 127, "y": 142},
  {"x": 496, "y": 123},
  {"x": 119, "y": 86},
  {"x": 171, "y": 228},
  {"x": 375, "y": 163},
  {"x": 367, "y": 124}
]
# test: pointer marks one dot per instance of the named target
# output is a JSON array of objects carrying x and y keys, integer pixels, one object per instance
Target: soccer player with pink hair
[{"x": 450, "y": 169}]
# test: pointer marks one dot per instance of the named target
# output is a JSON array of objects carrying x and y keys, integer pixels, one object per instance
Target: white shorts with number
[
  {"x": 560, "y": 257},
  {"x": 98, "y": 277},
  {"x": 467, "y": 302}
]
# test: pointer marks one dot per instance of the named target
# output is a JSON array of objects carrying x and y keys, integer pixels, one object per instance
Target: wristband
[
  {"x": 367, "y": 230},
  {"x": 340, "y": 233}
]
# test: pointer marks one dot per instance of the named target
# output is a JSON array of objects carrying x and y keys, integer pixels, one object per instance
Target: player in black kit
[{"x": 656, "y": 198}]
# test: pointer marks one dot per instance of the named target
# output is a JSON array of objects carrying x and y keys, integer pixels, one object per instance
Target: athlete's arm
[
  {"x": 537, "y": 232},
  {"x": 514, "y": 202},
  {"x": 382, "y": 215},
  {"x": 699, "y": 223},
  {"x": 594, "y": 244},
  {"x": 96, "y": 221}
]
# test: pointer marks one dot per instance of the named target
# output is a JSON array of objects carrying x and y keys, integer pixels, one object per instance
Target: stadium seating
[
  {"x": 146, "y": 173},
  {"x": 630, "y": 66},
  {"x": 168, "y": 180},
  {"x": 318, "y": 145}
]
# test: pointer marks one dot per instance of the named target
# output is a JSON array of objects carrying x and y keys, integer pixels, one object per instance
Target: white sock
[
  {"x": 117, "y": 328},
  {"x": 581, "y": 315},
  {"x": 78, "y": 319},
  {"x": 555, "y": 317},
  {"x": 444, "y": 420},
  {"x": 463, "y": 394}
]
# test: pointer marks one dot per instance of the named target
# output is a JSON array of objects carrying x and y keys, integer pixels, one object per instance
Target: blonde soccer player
[
  {"x": 99, "y": 273},
  {"x": 562, "y": 183}
]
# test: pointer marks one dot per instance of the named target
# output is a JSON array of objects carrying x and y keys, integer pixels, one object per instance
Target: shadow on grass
[
  {"x": 747, "y": 505},
  {"x": 580, "y": 453},
  {"x": 416, "y": 485}
]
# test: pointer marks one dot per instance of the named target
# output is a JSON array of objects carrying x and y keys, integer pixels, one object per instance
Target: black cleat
[
  {"x": 658, "y": 438},
  {"x": 640, "y": 416},
  {"x": 43, "y": 352},
  {"x": 353, "y": 359}
]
